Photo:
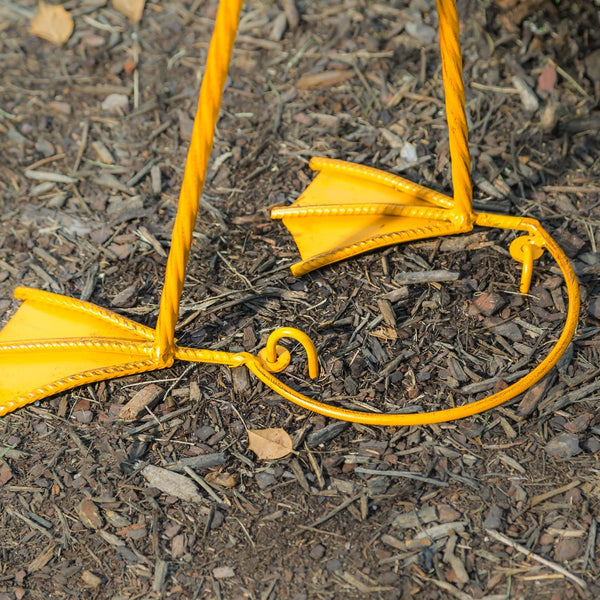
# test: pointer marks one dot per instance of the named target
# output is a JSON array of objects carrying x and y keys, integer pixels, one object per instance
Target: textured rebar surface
[{"x": 209, "y": 103}]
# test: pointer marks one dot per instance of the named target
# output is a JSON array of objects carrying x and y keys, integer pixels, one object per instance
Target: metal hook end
[
  {"x": 276, "y": 358},
  {"x": 526, "y": 249}
]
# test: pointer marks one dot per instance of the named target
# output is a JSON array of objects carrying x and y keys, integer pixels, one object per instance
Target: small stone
[
  {"x": 45, "y": 147},
  {"x": 489, "y": 303},
  {"x": 116, "y": 103},
  {"x": 494, "y": 518},
  {"x": 409, "y": 153},
  {"x": 223, "y": 572},
  {"x": 421, "y": 32},
  {"x": 89, "y": 514},
  {"x": 568, "y": 549},
  {"x": 564, "y": 445},
  {"x": 333, "y": 565},
  {"x": 317, "y": 552}
]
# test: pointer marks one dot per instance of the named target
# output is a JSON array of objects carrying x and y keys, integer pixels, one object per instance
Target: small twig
[
  {"x": 161, "y": 420},
  {"x": 529, "y": 554},
  {"x": 207, "y": 488},
  {"x": 234, "y": 270},
  {"x": 560, "y": 490},
  {"x": 589, "y": 550},
  {"x": 82, "y": 145},
  {"x": 406, "y": 474},
  {"x": 335, "y": 511},
  {"x": 30, "y": 522}
]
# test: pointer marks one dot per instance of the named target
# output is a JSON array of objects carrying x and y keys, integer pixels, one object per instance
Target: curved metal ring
[{"x": 439, "y": 416}]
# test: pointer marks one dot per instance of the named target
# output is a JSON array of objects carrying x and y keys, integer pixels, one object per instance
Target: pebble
[
  {"x": 45, "y": 147},
  {"x": 421, "y": 32},
  {"x": 409, "y": 153},
  {"x": 333, "y": 565},
  {"x": 564, "y": 445},
  {"x": 317, "y": 552},
  {"x": 494, "y": 518},
  {"x": 116, "y": 103},
  {"x": 568, "y": 549}
]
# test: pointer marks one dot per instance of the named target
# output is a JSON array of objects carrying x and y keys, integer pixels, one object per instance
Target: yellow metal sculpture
[{"x": 54, "y": 343}]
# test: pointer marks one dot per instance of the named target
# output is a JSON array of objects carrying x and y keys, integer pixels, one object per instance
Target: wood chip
[
  {"x": 143, "y": 399},
  {"x": 170, "y": 483}
]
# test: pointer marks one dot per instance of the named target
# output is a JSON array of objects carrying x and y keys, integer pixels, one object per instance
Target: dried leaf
[
  {"x": 269, "y": 444},
  {"x": 52, "y": 23},
  {"x": 132, "y": 9}
]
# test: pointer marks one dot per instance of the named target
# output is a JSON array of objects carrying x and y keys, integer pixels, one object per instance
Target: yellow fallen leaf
[
  {"x": 52, "y": 23},
  {"x": 132, "y": 9},
  {"x": 269, "y": 444}
]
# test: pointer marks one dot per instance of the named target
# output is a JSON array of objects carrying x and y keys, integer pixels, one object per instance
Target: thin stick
[
  {"x": 529, "y": 554},
  {"x": 335, "y": 511},
  {"x": 406, "y": 474}
]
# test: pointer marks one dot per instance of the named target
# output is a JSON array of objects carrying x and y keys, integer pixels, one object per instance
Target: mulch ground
[{"x": 94, "y": 138}]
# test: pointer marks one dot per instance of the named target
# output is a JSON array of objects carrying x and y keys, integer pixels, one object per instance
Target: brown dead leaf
[
  {"x": 226, "y": 480},
  {"x": 269, "y": 444},
  {"x": 52, "y": 23},
  {"x": 132, "y": 9}
]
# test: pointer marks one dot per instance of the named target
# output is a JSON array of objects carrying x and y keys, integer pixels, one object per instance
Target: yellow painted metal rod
[
  {"x": 479, "y": 406},
  {"x": 213, "y": 82},
  {"x": 454, "y": 93}
]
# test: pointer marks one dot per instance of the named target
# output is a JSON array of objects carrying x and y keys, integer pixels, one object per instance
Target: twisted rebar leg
[{"x": 213, "y": 82}]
